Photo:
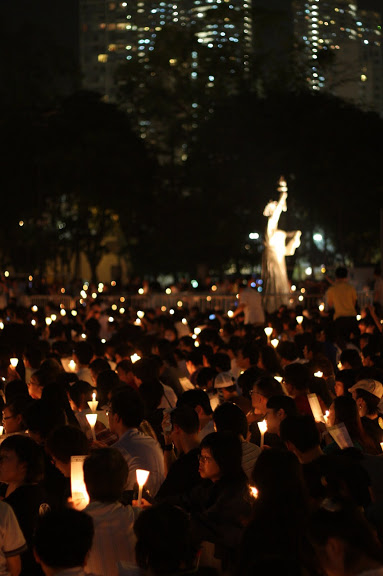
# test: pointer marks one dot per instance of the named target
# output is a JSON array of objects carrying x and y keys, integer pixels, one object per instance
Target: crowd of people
[{"x": 244, "y": 476}]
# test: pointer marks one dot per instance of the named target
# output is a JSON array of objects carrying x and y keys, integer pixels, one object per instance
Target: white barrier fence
[{"x": 205, "y": 302}]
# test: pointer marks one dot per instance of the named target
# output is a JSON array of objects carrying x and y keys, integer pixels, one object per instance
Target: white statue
[{"x": 278, "y": 244}]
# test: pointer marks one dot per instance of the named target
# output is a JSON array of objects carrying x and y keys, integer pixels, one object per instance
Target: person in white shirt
[
  {"x": 139, "y": 450},
  {"x": 12, "y": 542},
  {"x": 105, "y": 475}
]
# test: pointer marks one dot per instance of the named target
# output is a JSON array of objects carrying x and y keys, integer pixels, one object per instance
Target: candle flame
[
  {"x": 262, "y": 426},
  {"x": 142, "y": 476}
]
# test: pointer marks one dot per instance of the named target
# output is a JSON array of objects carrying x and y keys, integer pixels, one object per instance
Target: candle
[
  {"x": 93, "y": 403},
  {"x": 262, "y": 428},
  {"x": 268, "y": 331},
  {"x": 142, "y": 477},
  {"x": 381, "y": 445},
  {"x": 253, "y": 492},
  {"x": 48, "y": 321},
  {"x": 274, "y": 342},
  {"x": 318, "y": 374},
  {"x": 78, "y": 488},
  {"x": 321, "y": 307},
  {"x": 72, "y": 365},
  {"x": 326, "y": 415},
  {"x": 299, "y": 319},
  {"x": 135, "y": 357},
  {"x": 92, "y": 419},
  {"x": 1, "y": 430},
  {"x": 316, "y": 408},
  {"x": 14, "y": 362}
]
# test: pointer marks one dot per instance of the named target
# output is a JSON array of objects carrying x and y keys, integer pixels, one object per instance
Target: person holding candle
[
  {"x": 229, "y": 417},
  {"x": 12, "y": 542},
  {"x": 296, "y": 381},
  {"x": 344, "y": 410},
  {"x": 139, "y": 450},
  {"x": 277, "y": 409},
  {"x": 263, "y": 389},
  {"x": 276, "y": 537},
  {"x": 64, "y": 442}
]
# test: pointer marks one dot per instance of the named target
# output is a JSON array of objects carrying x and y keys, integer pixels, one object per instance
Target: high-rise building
[
  {"x": 114, "y": 31},
  {"x": 342, "y": 47}
]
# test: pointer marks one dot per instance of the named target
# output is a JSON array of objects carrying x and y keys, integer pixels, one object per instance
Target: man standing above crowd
[
  {"x": 342, "y": 297},
  {"x": 250, "y": 303}
]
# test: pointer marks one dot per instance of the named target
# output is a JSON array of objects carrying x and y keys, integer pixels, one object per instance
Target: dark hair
[
  {"x": 226, "y": 450},
  {"x": 347, "y": 378},
  {"x": 204, "y": 375},
  {"x": 99, "y": 365},
  {"x": 194, "y": 398},
  {"x": 371, "y": 400},
  {"x": 124, "y": 349},
  {"x": 164, "y": 540},
  {"x": 186, "y": 418},
  {"x": 67, "y": 441},
  {"x": 18, "y": 405},
  {"x": 341, "y": 272},
  {"x": 352, "y": 357},
  {"x": 247, "y": 379},
  {"x": 195, "y": 357},
  {"x": 34, "y": 357},
  {"x": 346, "y": 411},
  {"x": 344, "y": 521},
  {"x": 287, "y": 350},
  {"x": 268, "y": 386},
  {"x": 318, "y": 385},
  {"x": 55, "y": 396},
  {"x": 221, "y": 361},
  {"x": 270, "y": 467},
  {"x": 79, "y": 389},
  {"x": 270, "y": 360},
  {"x": 42, "y": 418},
  {"x": 250, "y": 351},
  {"x": 107, "y": 381},
  {"x": 146, "y": 369},
  {"x": 285, "y": 403},
  {"x": 128, "y": 405},
  {"x": 63, "y": 538},
  {"x": 229, "y": 417},
  {"x": 27, "y": 452},
  {"x": 151, "y": 392},
  {"x": 105, "y": 474},
  {"x": 166, "y": 352},
  {"x": 297, "y": 375},
  {"x": 16, "y": 389},
  {"x": 84, "y": 352},
  {"x": 125, "y": 365},
  {"x": 301, "y": 431}
]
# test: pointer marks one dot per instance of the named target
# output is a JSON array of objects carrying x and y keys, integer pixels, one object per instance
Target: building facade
[{"x": 341, "y": 44}]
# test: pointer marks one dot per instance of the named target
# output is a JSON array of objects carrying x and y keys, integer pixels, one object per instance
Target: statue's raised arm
[{"x": 274, "y": 210}]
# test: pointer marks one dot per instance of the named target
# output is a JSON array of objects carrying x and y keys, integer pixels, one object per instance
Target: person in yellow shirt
[{"x": 342, "y": 298}]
